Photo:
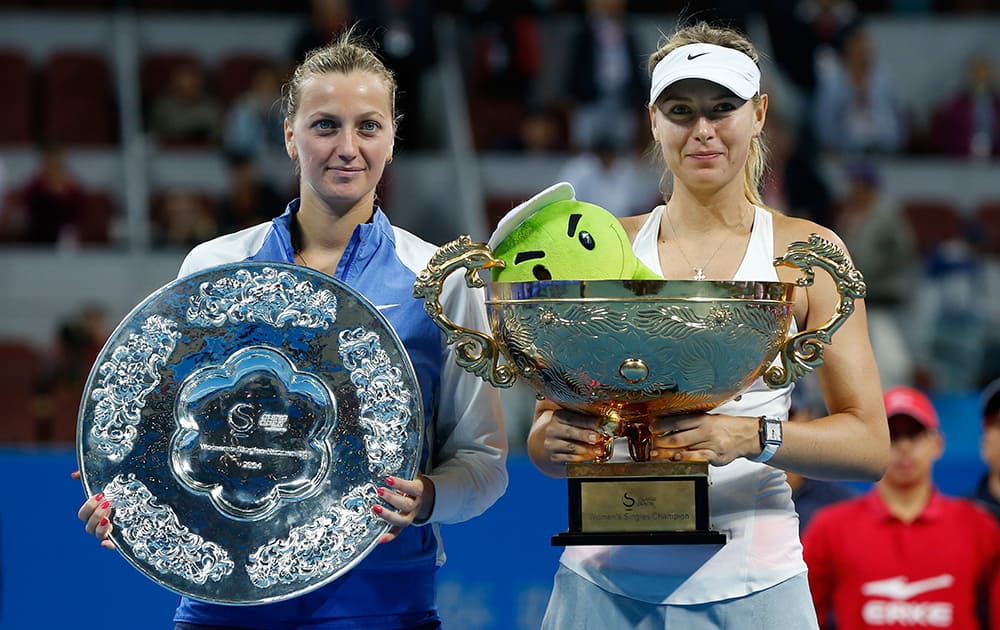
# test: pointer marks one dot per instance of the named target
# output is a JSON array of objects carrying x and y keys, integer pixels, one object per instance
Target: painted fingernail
[
  {"x": 99, "y": 497},
  {"x": 381, "y": 492},
  {"x": 377, "y": 509},
  {"x": 104, "y": 522},
  {"x": 383, "y": 540},
  {"x": 390, "y": 481},
  {"x": 105, "y": 505},
  {"x": 591, "y": 437}
]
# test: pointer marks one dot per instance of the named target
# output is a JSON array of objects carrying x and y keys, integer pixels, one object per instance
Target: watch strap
[{"x": 768, "y": 446}]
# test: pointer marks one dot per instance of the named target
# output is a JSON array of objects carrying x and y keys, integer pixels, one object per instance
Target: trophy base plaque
[{"x": 638, "y": 503}]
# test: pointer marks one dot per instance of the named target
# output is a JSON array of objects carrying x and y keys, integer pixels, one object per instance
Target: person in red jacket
[{"x": 904, "y": 555}]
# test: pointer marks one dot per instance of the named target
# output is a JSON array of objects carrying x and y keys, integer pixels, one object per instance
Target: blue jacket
[{"x": 465, "y": 442}]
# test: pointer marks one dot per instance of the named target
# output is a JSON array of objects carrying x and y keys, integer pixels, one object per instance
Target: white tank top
[{"x": 750, "y": 502}]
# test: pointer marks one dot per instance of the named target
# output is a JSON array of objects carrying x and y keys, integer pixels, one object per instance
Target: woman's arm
[
  {"x": 468, "y": 440},
  {"x": 852, "y": 443}
]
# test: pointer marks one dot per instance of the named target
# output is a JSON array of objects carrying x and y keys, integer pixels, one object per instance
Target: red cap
[{"x": 906, "y": 401}]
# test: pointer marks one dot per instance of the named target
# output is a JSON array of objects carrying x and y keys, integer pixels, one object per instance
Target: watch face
[{"x": 772, "y": 431}]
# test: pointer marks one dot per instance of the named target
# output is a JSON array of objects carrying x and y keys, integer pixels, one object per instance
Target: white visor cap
[
  {"x": 725, "y": 66},
  {"x": 563, "y": 191}
]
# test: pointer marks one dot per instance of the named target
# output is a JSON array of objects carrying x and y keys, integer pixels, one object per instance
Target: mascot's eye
[
  {"x": 586, "y": 240},
  {"x": 541, "y": 272}
]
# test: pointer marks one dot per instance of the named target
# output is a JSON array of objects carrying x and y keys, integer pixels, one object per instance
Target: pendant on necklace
[{"x": 699, "y": 273}]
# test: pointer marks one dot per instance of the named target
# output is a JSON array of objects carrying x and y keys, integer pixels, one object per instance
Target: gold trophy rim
[
  {"x": 479, "y": 353},
  {"x": 631, "y": 290}
]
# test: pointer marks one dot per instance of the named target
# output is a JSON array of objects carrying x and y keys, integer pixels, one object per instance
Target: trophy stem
[
  {"x": 608, "y": 428},
  {"x": 640, "y": 441},
  {"x": 608, "y": 448}
]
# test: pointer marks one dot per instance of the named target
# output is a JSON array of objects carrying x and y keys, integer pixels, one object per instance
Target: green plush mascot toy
[{"x": 552, "y": 236}]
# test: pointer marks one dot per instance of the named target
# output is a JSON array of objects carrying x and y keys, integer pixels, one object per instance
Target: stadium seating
[
  {"x": 17, "y": 84},
  {"x": 78, "y": 101}
]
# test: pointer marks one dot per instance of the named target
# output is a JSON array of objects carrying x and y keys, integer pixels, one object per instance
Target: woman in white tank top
[{"x": 707, "y": 114}]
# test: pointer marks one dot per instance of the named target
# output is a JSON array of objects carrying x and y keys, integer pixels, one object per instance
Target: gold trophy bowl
[{"x": 628, "y": 351}]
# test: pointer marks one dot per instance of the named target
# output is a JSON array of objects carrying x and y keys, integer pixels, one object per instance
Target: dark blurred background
[{"x": 130, "y": 131}]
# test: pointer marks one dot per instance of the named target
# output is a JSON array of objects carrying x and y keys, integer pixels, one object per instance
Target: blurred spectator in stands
[
  {"x": 856, "y": 108},
  {"x": 802, "y": 33},
  {"x": 78, "y": 341},
  {"x": 502, "y": 62},
  {"x": 809, "y": 495},
  {"x": 807, "y": 191},
  {"x": 884, "y": 250},
  {"x": 254, "y": 123},
  {"x": 904, "y": 551},
  {"x": 542, "y": 131},
  {"x": 947, "y": 327},
  {"x": 506, "y": 54},
  {"x": 183, "y": 219},
  {"x": 54, "y": 200},
  {"x": 3, "y": 181},
  {"x": 93, "y": 322},
  {"x": 249, "y": 200},
  {"x": 404, "y": 32},
  {"x": 968, "y": 123},
  {"x": 736, "y": 14},
  {"x": 11, "y": 211},
  {"x": 186, "y": 113},
  {"x": 607, "y": 176},
  {"x": 988, "y": 490},
  {"x": 605, "y": 79},
  {"x": 795, "y": 184},
  {"x": 976, "y": 7},
  {"x": 327, "y": 18},
  {"x": 780, "y": 142}
]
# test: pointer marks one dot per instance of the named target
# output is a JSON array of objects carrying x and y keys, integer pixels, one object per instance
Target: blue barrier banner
[{"x": 498, "y": 575}]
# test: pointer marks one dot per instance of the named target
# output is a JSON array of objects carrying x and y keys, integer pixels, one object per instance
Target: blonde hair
[
  {"x": 348, "y": 53},
  {"x": 705, "y": 33}
]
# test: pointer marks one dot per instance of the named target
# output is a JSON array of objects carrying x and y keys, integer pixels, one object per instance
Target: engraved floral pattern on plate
[{"x": 240, "y": 420}]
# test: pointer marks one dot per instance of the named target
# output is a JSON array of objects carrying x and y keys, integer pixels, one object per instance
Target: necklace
[{"x": 697, "y": 271}]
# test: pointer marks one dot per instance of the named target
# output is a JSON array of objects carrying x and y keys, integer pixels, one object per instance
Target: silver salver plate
[{"x": 240, "y": 421}]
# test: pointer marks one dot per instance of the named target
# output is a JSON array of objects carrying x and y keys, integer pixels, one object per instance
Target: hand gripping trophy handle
[{"x": 477, "y": 352}]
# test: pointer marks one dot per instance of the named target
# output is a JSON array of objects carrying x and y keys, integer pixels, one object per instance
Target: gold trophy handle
[
  {"x": 803, "y": 352},
  {"x": 476, "y": 352}
]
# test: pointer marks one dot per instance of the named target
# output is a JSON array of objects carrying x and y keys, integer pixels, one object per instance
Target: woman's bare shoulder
[
  {"x": 788, "y": 229},
  {"x": 633, "y": 224}
]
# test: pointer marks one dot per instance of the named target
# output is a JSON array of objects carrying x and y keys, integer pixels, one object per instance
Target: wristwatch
[{"x": 770, "y": 438}]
